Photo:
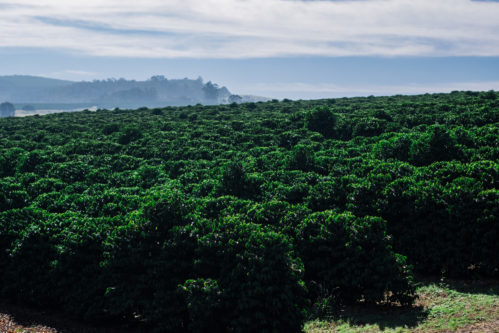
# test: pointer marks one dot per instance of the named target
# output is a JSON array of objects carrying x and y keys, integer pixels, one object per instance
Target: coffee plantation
[{"x": 247, "y": 217}]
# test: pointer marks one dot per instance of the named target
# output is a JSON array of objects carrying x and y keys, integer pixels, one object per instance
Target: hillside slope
[
  {"x": 247, "y": 217},
  {"x": 111, "y": 93}
]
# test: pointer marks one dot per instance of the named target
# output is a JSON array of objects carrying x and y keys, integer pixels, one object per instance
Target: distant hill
[
  {"x": 13, "y": 85},
  {"x": 111, "y": 93},
  {"x": 30, "y": 82}
]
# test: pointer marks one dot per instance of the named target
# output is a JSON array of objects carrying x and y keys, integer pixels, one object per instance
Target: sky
[{"x": 274, "y": 48}]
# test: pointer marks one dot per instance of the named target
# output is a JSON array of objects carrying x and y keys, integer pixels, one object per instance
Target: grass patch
[{"x": 441, "y": 307}]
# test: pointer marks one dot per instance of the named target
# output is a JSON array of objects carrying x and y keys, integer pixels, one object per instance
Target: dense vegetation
[{"x": 247, "y": 217}]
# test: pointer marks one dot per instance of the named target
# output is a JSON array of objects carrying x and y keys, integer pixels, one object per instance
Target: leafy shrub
[
  {"x": 130, "y": 134},
  {"x": 322, "y": 120},
  {"x": 443, "y": 229},
  {"x": 254, "y": 265},
  {"x": 328, "y": 194},
  {"x": 157, "y": 112},
  {"x": 351, "y": 258},
  {"x": 111, "y": 128},
  {"x": 45, "y": 185},
  {"x": 233, "y": 179},
  {"x": 204, "y": 305},
  {"x": 302, "y": 158},
  {"x": 12, "y": 196},
  {"x": 369, "y": 127}
]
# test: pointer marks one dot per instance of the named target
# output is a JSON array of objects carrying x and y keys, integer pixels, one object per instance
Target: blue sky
[{"x": 275, "y": 48}]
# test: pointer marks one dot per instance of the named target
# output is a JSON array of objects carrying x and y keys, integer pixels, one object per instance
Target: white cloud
[
  {"x": 253, "y": 28},
  {"x": 79, "y": 72},
  {"x": 68, "y": 74}
]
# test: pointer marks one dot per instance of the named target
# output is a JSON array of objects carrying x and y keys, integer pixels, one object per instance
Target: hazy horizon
[{"x": 275, "y": 48}]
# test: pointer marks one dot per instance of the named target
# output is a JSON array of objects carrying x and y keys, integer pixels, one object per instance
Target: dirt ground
[{"x": 18, "y": 319}]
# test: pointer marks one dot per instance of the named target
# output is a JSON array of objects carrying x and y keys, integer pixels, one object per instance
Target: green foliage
[
  {"x": 130, "y": 134},
  {"x": 322, "y": 120},
  {"x": 253, "y": 266},
  {"x": 350, "y": 258},
  {"x": 111, "y": 128},
  {"x": 204, "y": 304},
  {"x": 445, "y": 228},
  {"x": 241, "y": 217},
  {"x": 302, "y": 158},
  {"x": 233, "y": 179}
]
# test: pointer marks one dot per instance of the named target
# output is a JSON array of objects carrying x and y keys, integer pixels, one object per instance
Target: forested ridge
[
  {"x": 34, "y": 92},
  {"x": 247, "y": 217}
]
